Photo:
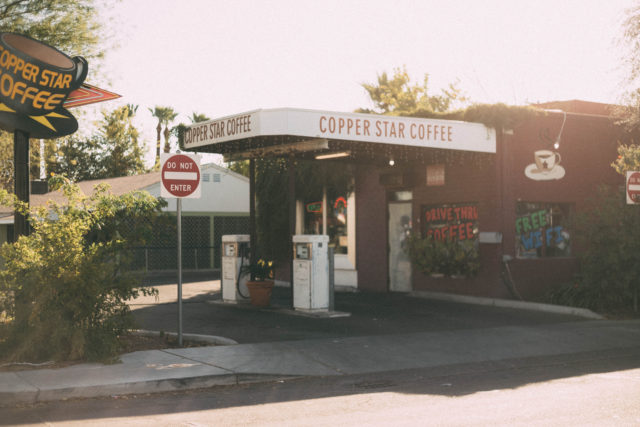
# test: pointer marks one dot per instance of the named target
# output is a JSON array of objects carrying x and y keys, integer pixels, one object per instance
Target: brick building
[{"x": 512, "y": 192}]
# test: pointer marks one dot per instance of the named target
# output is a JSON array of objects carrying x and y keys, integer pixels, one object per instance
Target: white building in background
[{"x": 222, "y": 209}]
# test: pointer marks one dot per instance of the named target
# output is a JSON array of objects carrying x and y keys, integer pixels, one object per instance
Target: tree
[
  {"x": 70, "y": 25},
  {"x": 398, "y": 96},
  {"x": 165, "y": 115},
  {"x": 631, "y": 41},
  {"x": 119, "y": 151},
  {"x": 114, "y": 151},
  {"x": 198, "y": 117},
  {"x": 239, "y": 166},
  {"x": 178, "y": 130},
  {"x": 629, "y": 113},
  {"x": 75, "y": 158},
  {"x": 6, "y": 159},
  {"x": 628, "y": 159}
]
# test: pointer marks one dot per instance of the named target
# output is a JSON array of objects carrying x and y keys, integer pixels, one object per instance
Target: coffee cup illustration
[
  {"x": 546, "y": 166},
  {"x": 546, "y": 160},
  {"x": 35, "y": 78}
]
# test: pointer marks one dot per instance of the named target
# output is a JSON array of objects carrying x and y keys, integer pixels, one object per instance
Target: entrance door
[{"x": 399, "y": 230}]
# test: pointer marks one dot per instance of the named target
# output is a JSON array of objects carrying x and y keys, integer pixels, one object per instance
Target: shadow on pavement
[
  {"x": 451, "y": 381},
  {"x": 371, "y": 314}
]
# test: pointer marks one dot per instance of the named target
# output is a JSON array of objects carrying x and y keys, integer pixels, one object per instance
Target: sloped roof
[{"x": 118, "y": 186}]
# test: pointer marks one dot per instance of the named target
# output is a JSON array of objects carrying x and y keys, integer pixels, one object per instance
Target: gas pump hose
[{"x": 239, "y": 276}]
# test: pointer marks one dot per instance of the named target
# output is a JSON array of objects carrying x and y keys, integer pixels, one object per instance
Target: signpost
[
  {"x": 633, "y": 188},
  {"x": 180, "y": 178}
]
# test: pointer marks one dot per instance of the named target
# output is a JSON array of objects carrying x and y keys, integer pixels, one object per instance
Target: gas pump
[
  {"x": 311, "y": 272},
  {"x": 235, "y": 254}
]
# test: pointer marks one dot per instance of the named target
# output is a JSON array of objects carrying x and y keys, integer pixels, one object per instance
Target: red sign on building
[{"x": 180, "y": 175}]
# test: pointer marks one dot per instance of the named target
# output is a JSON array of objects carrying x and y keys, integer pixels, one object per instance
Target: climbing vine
[{"x": 272, "y": 183}]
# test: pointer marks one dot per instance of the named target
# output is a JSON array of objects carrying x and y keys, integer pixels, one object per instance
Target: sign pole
[
  {"x": 179, "y": 230},
  {"x": 180, "y": 175},
  {"x": 21, "y": 179}
]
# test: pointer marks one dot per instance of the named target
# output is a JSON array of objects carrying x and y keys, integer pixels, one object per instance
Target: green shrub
[
  {"x": 447, "y": 257},
  {"x": 64, "y": 287},
  {"x": 608, "y": 232},
  {"x": 595, "y": 296}
]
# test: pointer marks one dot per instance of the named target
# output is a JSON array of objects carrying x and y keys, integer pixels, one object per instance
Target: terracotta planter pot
[{"x": 260, "y": 292}]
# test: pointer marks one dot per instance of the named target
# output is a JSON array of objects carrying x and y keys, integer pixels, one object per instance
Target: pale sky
[{"x": 225, "y": 57}]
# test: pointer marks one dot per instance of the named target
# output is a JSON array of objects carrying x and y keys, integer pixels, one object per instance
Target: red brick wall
[
  {"x": 371, "y": 231},
  {"x": 495, "y": 182},
  {"x": 588, "y": 147}
]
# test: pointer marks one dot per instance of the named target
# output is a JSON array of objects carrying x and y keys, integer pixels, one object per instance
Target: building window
[
  {"x": 206, "y": 177},
  {"x": 216, "y": 177},
  {"x": 336, "y": 222},
  {"x": 543, "y": 229},
  {"x": 457, "y": 221}
]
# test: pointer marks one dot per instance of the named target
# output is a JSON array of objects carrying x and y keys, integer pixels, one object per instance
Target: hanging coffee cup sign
[{"x": 35, "y": 81}]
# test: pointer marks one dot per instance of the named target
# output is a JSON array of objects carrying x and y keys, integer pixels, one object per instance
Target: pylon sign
[
  {"x": 35, "y": 81},
  {"x": 180, "y": 175}
]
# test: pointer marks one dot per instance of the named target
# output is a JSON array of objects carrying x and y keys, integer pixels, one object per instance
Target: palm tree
[
  {"x": 133, "y": 109},
  {"x": 171, "y": 116},
  {"x": 164, "y": 116},
  {"x": 197, "y": 117}
]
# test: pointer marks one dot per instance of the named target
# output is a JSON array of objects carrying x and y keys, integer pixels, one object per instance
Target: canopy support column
[{"x": 292, "y": 216}]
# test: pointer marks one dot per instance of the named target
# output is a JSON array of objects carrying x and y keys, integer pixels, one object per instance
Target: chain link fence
[{"x": 201, "y": 244}]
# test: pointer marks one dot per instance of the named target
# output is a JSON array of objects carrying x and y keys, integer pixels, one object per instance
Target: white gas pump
[
  {"x": 311, "y": 272},
  {"x": 235, "y": 254}
]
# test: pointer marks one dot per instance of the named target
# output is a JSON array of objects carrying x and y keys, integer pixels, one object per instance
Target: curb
[
  {"x": 209, "y": 339},
  {"x": 29, "y": 393},
  {"x": 37, "y": 395},
  {"x": 505, "y": 303}
]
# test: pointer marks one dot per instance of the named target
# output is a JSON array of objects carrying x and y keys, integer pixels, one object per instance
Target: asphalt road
[
  {"x": 370, "y": 314},
  {"x": 599, "y": 388}
]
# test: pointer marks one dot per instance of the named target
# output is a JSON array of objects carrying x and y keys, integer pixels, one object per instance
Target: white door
[{"x": 399, "y": 230}]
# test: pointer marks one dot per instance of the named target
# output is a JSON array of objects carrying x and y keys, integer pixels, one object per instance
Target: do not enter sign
[
  {"x": 180, "y": 175},
  {"x": 633, "y": 188}
]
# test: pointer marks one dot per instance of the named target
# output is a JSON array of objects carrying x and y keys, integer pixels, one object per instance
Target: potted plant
[{"x": 261, "y": 285}]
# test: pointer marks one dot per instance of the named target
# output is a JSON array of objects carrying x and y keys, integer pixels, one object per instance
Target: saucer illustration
[
  {"x": 57, "y": 123},
  {"x": 533, "y": 172}
]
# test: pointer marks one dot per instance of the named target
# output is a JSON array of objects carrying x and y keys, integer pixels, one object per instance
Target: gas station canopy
[{"x": 326, "y": 134}]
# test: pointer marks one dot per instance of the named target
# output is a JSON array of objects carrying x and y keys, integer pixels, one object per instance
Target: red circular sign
[
  {"x": 633, "y": 187},
  {"x": 180, "y": 175}
]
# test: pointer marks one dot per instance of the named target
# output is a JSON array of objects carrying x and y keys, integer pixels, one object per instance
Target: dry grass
[{"x": 128, "y": 343}]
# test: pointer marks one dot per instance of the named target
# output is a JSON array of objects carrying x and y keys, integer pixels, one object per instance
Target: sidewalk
[
  {"x": 165, "y": 370},
  {"x": 383, "y": 333}
]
